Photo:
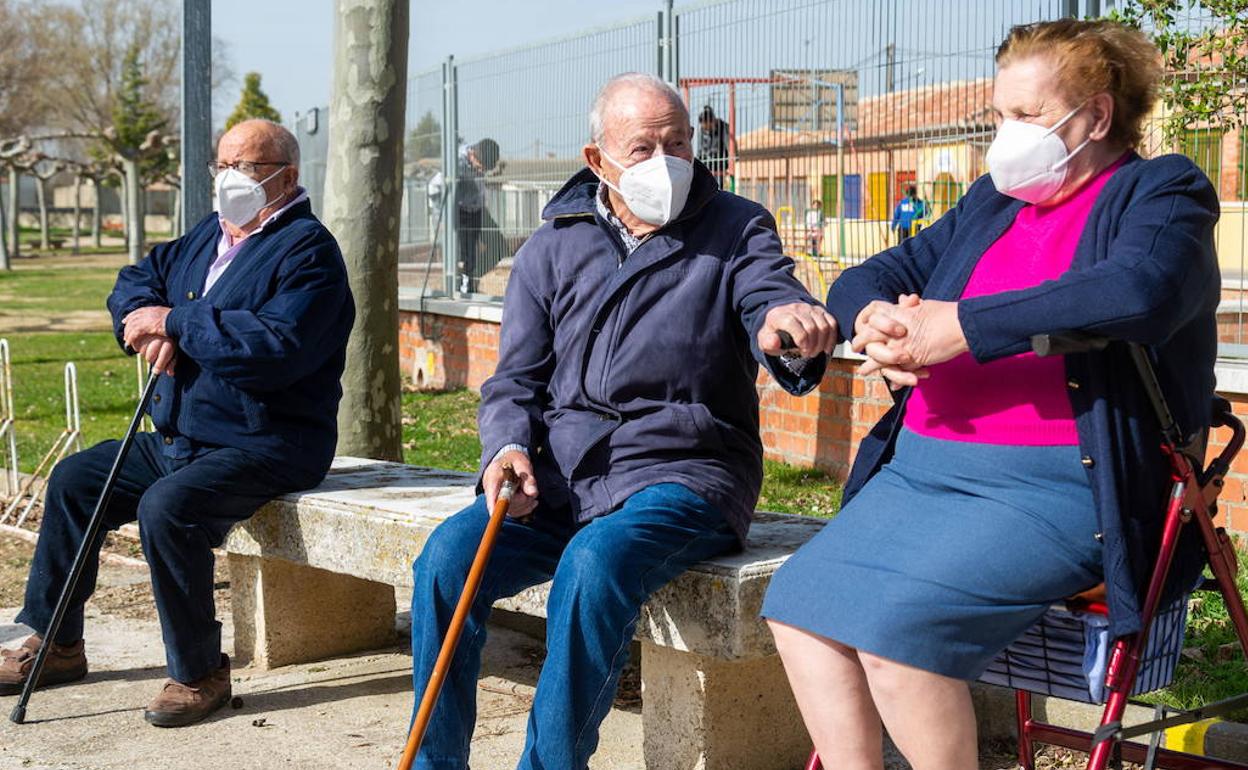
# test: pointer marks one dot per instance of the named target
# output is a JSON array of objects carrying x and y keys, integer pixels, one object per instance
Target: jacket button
[
  {"x": 1072, "y": 383},
  {"x": 1088, "y": 462},
  {"x": 168, "y": 440},
  {"x": 1099, "y": 536},
  {"x": 190, "y": 295},
  {"x": 156, "y": 398}
]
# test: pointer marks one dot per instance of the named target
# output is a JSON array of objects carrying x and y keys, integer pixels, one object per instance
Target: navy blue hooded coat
[
  {"x": 260, "y": 356},
  {"x": 619, "y": 371},
  {"x": 1144, "y": 271}
]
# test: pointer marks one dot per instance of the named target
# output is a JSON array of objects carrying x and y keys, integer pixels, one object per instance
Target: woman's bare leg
[
  {"x": 928, "y": 716},
  {"x": 832, "y": 692}
]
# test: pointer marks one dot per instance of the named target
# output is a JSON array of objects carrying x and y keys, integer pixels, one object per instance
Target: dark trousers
[
  {"x": 184, "y": 508},
  {"x": 469, "y": 236}
]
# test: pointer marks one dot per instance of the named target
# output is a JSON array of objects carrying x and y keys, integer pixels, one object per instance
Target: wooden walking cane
[{"x": 438, "y": 676}]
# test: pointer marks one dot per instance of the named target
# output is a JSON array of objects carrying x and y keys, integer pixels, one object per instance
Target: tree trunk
[
  {"x": 134, "y": 211},
  {"x": 77, "y": 210},
  {"x": 41, "y": 197},
  {"x": 95, "y": 213},
  {"x": 363, "y": 195},
  {"x": 15, "y": 244},
  {"x": 123, "y": 199}
]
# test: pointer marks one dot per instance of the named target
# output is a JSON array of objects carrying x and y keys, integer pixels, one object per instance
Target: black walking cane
[{"x": 80, "y": 560}]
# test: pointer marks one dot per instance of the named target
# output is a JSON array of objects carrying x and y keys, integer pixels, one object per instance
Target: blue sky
[{"x": 289, "y": 42}]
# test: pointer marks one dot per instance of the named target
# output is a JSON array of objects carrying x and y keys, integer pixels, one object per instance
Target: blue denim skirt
[{"x": 949, "y": 553}]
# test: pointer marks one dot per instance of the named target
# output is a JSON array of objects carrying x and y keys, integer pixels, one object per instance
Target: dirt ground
[{"x": 352, "y": 709}]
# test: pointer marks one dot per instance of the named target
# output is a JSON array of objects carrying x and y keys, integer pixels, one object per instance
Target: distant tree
[
  {"x": 137, "y": 141},
  {"x": 254, "y": 103},
  {"x": 1206, "y": 62},
  {"x": 425, "y": 141}
]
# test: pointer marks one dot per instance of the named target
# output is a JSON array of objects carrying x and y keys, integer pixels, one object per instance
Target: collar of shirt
[
  {"x": 631, "y": 242},
  {"x": 226, "y": 242}
]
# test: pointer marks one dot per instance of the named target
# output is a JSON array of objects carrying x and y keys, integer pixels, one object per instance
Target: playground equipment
[
  {"x": 70, "y": 437},
  {"x": 8, "y": 435}
]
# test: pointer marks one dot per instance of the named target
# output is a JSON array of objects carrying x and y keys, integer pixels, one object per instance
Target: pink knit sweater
[{"x": 1020, "y": 400}]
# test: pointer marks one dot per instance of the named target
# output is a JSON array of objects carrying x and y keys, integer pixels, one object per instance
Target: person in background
[
  {"x": 475, "y": 161},
  {"x": 910, "y": 210},
  {"x": 713, "y": 144},
  {"x": 814, "y": 227}
]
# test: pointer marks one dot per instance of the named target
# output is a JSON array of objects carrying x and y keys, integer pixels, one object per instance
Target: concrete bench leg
[
  {"x": 288, "y": 613},
  {"x": 701, "y": 713}
]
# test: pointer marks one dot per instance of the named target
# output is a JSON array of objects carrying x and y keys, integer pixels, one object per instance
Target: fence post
[
  {"x": 450, "y": 174},
  {"x": 8, "y": 438},
  {"x": 668, "y": 45},
  {"x": 660, "y": 46}
]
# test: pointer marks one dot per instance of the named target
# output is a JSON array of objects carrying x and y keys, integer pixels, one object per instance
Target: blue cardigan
[
  {"x": 1144, "y": 271},
  {"x": 619, "y": 371},
  {"x": 259, "y": 357}
]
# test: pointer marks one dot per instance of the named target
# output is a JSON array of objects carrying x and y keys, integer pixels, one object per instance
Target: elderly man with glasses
[{"x": 246, "y": 318}]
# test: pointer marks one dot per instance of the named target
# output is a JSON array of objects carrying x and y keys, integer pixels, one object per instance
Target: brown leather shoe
[
  {"x": 65, "y": 663},
  {"x": 182, "y": 704}
]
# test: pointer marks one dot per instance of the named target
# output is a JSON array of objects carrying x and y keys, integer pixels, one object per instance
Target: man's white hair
[{"x": 638, "y": 80}]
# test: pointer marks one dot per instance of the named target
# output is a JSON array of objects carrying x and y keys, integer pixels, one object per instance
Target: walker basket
[{"x": 1066, "y": 652}]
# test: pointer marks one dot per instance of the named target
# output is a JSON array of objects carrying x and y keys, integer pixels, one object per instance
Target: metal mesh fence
[
  {"x": 856, "y": 124},
  {"x": 533, "y": 104},
  {"x": 420, "y": 220}
]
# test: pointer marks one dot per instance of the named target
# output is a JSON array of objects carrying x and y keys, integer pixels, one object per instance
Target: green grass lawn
[
  {"x": 55, "y": 290},
  {"x": 107, "y": 388},
  {"x": 440, "y": 430},
  {"x": 1217, "y": 670}
]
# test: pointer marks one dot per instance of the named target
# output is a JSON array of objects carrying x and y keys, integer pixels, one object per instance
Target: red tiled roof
[{"x": 960, "y": 103}]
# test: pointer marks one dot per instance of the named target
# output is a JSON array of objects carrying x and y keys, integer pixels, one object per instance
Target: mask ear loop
[
  {"x": 262, "y": 182},
  {"x": 615, "y": 163}
]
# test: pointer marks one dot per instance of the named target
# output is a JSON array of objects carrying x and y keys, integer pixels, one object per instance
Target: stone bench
[{"x": 313, "y": 576}]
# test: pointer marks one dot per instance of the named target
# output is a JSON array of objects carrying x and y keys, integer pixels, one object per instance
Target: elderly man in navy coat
[
  {"x": 246, "y": 317},
  {"x": 633, "y": 327}
]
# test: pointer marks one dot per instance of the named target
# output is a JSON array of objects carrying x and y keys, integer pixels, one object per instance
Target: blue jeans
[
  {"x": 603, "y": 572},
  {"x": 184, "y": 508}
]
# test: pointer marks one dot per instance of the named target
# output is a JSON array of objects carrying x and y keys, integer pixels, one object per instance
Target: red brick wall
[
  {"x": 438, "y": 351},
  {"x": 822, "y": 429}
]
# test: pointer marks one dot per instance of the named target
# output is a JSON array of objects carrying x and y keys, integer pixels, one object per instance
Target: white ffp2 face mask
[
  {"x": 656, "y": 189},
  {"x": 1030, "y": 162},
  {"x": 239, "y": 197}
]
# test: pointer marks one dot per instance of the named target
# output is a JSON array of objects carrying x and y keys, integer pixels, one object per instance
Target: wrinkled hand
[
  {"x": 524, "y": 499},
  {"x": 932, "y": 335},
  {"x": 812, "y": 328},
  {"x": 876, "y": 323},
  {"x": 144, "y": 322},
  {"x": 158, "y": 351}
]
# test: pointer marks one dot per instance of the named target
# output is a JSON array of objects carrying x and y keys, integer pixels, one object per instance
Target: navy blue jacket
[
  {"x": 622, "y": 371},
  {"x": 1144, "y": 271},
  {"x": 259, "y": 357}
]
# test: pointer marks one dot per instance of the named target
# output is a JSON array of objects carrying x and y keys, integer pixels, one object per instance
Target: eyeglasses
[{"x": 247, "y": 167}]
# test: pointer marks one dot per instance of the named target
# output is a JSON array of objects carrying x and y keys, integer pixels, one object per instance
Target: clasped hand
[
  {"x": 901, "y": 340},
  {"x": 144, "y": 332}
]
